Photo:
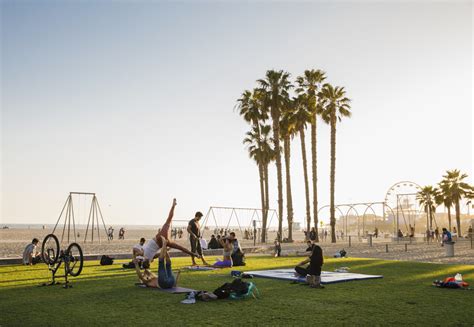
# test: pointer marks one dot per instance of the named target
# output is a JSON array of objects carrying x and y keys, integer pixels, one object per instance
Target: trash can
[{"x": 449, "y": 246}]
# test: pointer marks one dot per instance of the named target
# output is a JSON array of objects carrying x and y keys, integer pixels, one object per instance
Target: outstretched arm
[
  {"x": 304, "y": 262},
  {"x": 137, "y": 270}
]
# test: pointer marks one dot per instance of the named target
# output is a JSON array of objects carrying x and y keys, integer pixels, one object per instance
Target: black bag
[
  {"x": 237, "y": 287},
  {"x": 106, "y": 260}
]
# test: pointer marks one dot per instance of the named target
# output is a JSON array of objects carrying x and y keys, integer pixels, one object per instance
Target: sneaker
[
  {"x": 317, "y": 286},
  {"x": 190, "y": 298}
]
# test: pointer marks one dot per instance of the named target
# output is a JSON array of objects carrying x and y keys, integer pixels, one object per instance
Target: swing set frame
[{"x": 94, "y": 213}]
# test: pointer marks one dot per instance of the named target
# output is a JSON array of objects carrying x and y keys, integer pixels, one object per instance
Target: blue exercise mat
[
  {"x": 200, "y": 268},
  {"x": 327, "y": 277}
]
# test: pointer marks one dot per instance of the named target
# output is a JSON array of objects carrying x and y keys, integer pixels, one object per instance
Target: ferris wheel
[{"x": 401, "y": 197}]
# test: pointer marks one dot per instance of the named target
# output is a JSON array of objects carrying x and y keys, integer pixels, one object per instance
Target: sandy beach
[{"x": 13, "y": 241}]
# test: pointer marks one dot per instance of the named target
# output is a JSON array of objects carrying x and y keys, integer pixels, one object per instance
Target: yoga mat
[
  {"x": 200, "y": 268},
  {"x": 327, "y": 277},
  {"x": 173, "y": 290}
]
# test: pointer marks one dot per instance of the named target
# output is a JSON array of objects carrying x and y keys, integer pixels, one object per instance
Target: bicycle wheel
[
  {"x": 74, "y": 260},
  {"x": 50, "y": 249}
]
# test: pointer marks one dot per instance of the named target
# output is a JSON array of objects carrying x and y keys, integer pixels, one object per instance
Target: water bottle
[{"x": 458, "y": 277}]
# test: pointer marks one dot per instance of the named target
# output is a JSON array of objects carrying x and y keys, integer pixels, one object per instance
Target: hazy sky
[{"x": 135, "y": 100}]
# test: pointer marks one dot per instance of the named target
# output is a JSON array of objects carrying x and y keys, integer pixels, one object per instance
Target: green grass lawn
[{"x": 106, "y": 295}]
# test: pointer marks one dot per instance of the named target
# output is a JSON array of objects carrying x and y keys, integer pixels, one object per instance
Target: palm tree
[
  {"x": 275, "y": 86},
  {"x": 309, "y": 85},
  {"x": 336, "y": 106},
  {"x": 288, "y": 130},
  {"x": 302, "y": 117},
  {"x": 445, "y": 198},
  {"x": 258, "y": 144},
  {"x": 426, "y": 198},
  {"x": 251, "y": 108},
  {"x": 458, "y": 189}
]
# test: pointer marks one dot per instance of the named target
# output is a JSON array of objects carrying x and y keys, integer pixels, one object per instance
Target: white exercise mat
[{"x": 327, "y": 277}]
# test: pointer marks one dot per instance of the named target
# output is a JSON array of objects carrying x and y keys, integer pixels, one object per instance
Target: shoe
[
  {"x": 317, "y": 286},
  {"x": 190, "y": 298}
]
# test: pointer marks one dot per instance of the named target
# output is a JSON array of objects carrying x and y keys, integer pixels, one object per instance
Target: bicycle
[{"x": 52, "y": 255}]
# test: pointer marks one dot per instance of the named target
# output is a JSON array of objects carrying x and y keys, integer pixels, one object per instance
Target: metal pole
[
  {"x": 386, "y": 248},
  {"x": 349, "y": 241},
  {"x": 59, "y": 218},
  {"x": 101, "y": 216},
  {"x": 406, "y": 247},
  {"x": 97, "y": 219},
  {"x": 88, "y": 222},
  {"x": 73, "y": 220},
  {"x": 370, "y": 240},
  {"x": 398, "y": 224},
  {"x": 93, "y": 218},
  {"x": 65, "y": 219}
]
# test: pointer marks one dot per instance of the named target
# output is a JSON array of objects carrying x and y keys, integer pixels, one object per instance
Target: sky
[{"x": 135, "y": 100}]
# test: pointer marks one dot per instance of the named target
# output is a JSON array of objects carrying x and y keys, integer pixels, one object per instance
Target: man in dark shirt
[
  {"x": 313, "y": 271},
  {"x": 213, "y": 244},
  {"x": 194, "y": 230}
]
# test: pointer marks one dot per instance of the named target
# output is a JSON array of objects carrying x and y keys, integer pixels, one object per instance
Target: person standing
[
  {"x": 312, "y": 234},
  {"x": 277, "y": 249},
  {"x": 194, "y": 230}
]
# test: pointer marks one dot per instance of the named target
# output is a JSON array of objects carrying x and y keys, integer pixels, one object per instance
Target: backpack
[
  {"x": 106, "y": 260},
  {"x": 236, "y": 289}
]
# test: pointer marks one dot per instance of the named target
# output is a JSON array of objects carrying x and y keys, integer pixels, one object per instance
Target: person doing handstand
[
  {"x": 151, "y": 248},
  {"x": 165, "y": 278}
]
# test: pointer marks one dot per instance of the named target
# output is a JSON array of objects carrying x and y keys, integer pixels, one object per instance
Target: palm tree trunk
[
  {"x": 449, "y": 217},
  {"x": 458, "y": 216},
  {"x": 289, "y": 199},
  {"x": 276, "y": 142},
  {"x": 315, "y": 176},
  {"x": 306, "y": 184},
  {"x": 333, "y": 178},
  {"x": 267, "y": 203},
  {"x": 262, "y": 196}
]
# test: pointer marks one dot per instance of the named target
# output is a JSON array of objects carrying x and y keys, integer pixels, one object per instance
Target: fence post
[
  {"x": 370, "y": 240},
  {"x": 349, "y": 241},
  {"x": 386, "y": 248},
  {"x": 406, "y": 247}
]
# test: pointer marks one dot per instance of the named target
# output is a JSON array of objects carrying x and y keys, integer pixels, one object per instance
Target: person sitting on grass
[
  {"x": 152, "y": 247},
  {"x": 213, "y": 243},
  {"x": 313, "y": 271},
  {"x": 238, "y": 256},
  {"x": 30, "y": 255},
  {"x": 227, "y": 262},
  {"x": 166, "y": 278}
]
